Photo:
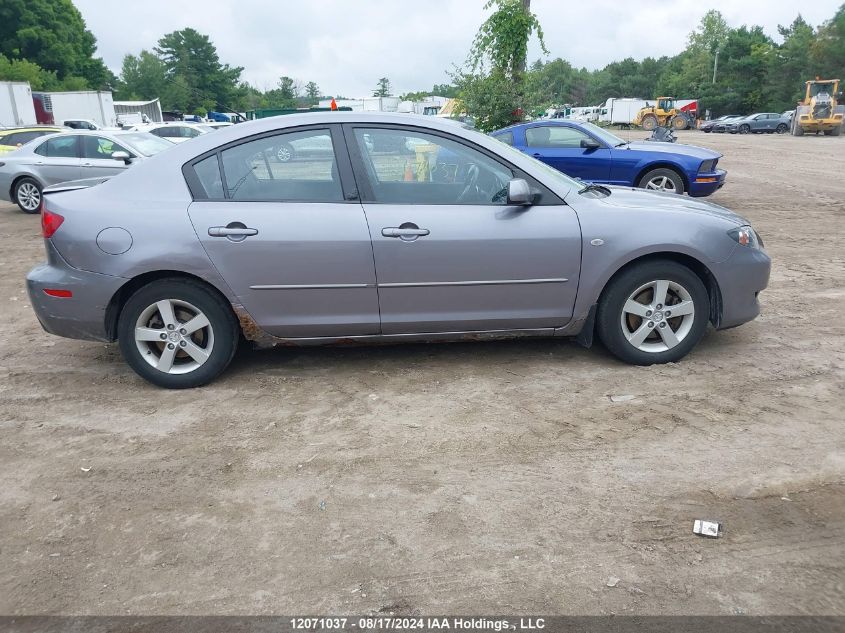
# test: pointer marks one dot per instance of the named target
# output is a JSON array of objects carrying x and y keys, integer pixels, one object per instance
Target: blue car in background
[{"x": 586, "y": 151}]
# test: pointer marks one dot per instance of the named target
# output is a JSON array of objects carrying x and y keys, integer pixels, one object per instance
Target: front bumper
[
  {"x": 82, "y": 316},
  {"x": 705, "y": 184},
  {"x": 741, "y": 278}
]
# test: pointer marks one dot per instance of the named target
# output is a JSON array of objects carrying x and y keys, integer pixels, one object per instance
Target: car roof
[{"x": 32, "y": 128}]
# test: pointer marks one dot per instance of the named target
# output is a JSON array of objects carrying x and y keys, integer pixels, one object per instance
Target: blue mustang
[{"x": 593, "y": 154}]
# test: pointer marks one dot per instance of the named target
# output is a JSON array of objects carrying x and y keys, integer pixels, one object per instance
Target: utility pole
[{"x": 715, "y": 65}]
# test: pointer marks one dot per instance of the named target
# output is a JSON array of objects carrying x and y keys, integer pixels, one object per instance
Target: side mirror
[
  {"x": 519, "y": 192},
  {"x": 590, "y": 144},
  {"x": 124, "y": 156}
]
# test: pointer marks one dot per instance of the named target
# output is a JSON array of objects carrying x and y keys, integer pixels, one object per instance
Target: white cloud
[{"x": 345, "y": 46}]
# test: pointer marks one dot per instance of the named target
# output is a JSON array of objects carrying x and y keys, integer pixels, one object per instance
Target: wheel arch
[
  {"x": 17, "y": 179},
  {"x": 662, "y": 165},
  {"x": 118, "y": 300},
  {"x": 701, "y": 270}
]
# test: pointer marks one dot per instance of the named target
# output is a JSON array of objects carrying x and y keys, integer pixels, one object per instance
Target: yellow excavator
[
  {"x": 821, "y": 110},
  {"x": 664, "y": 114}
]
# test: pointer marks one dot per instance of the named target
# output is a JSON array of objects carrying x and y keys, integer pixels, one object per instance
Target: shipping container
[{"x": 16, "y": 107}]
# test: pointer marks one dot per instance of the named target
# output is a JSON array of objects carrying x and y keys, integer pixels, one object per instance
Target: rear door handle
[
  {"x": 235, "y": 231},
  {"x": 404, "y": 233}
]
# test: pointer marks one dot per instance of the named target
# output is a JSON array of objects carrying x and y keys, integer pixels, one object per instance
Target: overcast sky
[{"x": 346, "y": 45}]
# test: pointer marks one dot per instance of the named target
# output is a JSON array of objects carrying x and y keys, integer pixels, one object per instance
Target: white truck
[
  {"x": 16, "y": 108},
  {"x": 57, "y": 107},
  {"x": 621, "y": 110}
]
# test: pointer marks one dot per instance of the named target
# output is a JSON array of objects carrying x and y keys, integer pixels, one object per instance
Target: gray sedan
[
  {"x": 410, "y": 229},
  {"x": 768, "y": 122},
  {"x": 61, "y": 157}
]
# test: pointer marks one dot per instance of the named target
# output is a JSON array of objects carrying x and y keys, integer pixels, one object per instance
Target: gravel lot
[{"x": 463, "y": 478}]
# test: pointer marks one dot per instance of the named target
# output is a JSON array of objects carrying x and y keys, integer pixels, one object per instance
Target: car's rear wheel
[
  {"x": 662, "y": 179},
  {"x": 654, "y": 312},
  {"x": 177, "y": 333},
  {"x": 28, "y": 195}
]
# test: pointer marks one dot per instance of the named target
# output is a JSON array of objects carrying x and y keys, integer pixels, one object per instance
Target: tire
[
  {"x": 669, "y": 339},
  {"x": 28, "y": 195},
  {"x": 782, "y": 128},
  {"x": 706, "y": 131},
  {"x": 206, "y": 352},
  {"x": 649, "y": 122},
  {"x": 744, "y": 129},
  {"x": 797, "y": 130},
  {"x": 284, "y": 153},
  {"x": 680, "y": 123},
  {"x": 836, "y": 131},
  {"x": 662, "y": 179}
]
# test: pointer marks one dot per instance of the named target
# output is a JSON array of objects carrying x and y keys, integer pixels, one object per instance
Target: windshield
[
  {"x": 511, "y": 153},
  {"x": 144, "y": 143},
  {"x": 606, "y": 137}
]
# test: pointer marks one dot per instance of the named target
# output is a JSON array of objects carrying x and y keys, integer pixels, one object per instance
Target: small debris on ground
[
  {"x": 624, "y": 398},
  {"x": 85, "y": 469},
  {"x": 612, "y": 581},
  {"x": 710, "y": 529},
  {"x": 56, "y": 497}
]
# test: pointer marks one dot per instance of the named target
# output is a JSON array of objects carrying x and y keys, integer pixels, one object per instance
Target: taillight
[{"x": 50, "y": 221}]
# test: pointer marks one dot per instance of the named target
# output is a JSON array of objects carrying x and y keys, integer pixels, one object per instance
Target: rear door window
[
  {"x": 295, "y": 166},
  {"x": 64, "y": 146}
]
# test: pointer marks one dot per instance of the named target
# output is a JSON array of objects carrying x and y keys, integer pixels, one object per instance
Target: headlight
[
  {"x": 707, "y": 166},
  {"x": 745, "y": 236}
]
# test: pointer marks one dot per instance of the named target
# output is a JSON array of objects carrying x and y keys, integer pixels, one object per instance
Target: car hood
[
  {"x": 635, "y": 199},
  {"x": 672, "y": 148}
]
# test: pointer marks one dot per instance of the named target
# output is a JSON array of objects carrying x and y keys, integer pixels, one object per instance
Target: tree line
[{"x": 730, "y": 69}]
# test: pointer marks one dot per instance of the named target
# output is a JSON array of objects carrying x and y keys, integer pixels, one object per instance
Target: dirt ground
[{"x": 465, "y": 478}]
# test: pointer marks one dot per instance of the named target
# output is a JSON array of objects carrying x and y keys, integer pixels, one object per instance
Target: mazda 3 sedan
[{"x": 410, "y": 229}]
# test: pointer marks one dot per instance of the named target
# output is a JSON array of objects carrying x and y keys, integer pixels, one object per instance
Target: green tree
[
  {"x": 828, "y": 50},
  {"x": 52, "y": 34},
  {"x": 191, "y": 63},
  {"x": 23, "y": 70},
  {"x": 312, "y": 91},
  {"x": 383, "y": 88},
  {"x": 502, "y": 40}
]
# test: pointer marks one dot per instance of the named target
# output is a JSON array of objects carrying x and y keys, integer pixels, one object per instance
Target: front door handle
[
  {"x": 405, "y": 232},
  {"x": 235, "y": 231}
]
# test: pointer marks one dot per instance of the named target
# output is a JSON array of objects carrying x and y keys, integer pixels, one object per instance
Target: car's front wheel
[
  {"x": 744, "y": 129},
  {"x": 662, "y": 179},
  {"x": 28, "y": 195},
  {"x": 177, "y": 333},
  {"x": 654, "y": 312}
]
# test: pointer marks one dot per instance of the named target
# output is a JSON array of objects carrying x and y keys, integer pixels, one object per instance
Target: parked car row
[{"x": 758, "y": 123}]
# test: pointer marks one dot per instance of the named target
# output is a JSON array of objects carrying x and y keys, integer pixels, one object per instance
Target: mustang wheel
[
  {"x": 653, "y": 313},
  {"x": 28, "y": 195},
  {"x": 177, "y": 333},
  {"x": 662, "y": 180}
]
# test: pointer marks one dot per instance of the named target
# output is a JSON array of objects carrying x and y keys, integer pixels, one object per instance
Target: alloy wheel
[
  {"x": 661, "y": 183},
  {"x": 174, "y": 336},
  {"x": 28, "y": 196},
  {"x": 657, "y": 316}
]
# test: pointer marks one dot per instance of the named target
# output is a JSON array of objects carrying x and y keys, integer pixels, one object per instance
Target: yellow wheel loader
[
  {"x": 664, "y": 114},
  {"x": 821, "y": 110}
]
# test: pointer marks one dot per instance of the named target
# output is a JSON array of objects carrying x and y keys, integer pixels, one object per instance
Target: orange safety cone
[
  {"x": 334, "y": 104},
  {"x": 409, "y": 173}
]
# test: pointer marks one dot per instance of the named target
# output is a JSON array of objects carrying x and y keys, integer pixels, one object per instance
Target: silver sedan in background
[
  {"x": 48, "y": 160},
  {"x": 406, "y": 229}
]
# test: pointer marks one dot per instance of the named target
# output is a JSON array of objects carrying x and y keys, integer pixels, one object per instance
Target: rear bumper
[
  {"x": 741, "y": 278},
  {"x": 82, "y": 316},
  {"x": 705, "y": 184}
]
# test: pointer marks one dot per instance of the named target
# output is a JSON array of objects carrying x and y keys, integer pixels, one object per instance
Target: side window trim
[
  {"x": 344, "y": 167},
  {"x": 548, "y": 197}
]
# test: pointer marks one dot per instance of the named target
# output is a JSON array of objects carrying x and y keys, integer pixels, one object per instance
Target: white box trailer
[
  {"x": 16, "y": 106},
  {"x": 622, "y": 110},
  {"x": 89, "y": 105}
]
